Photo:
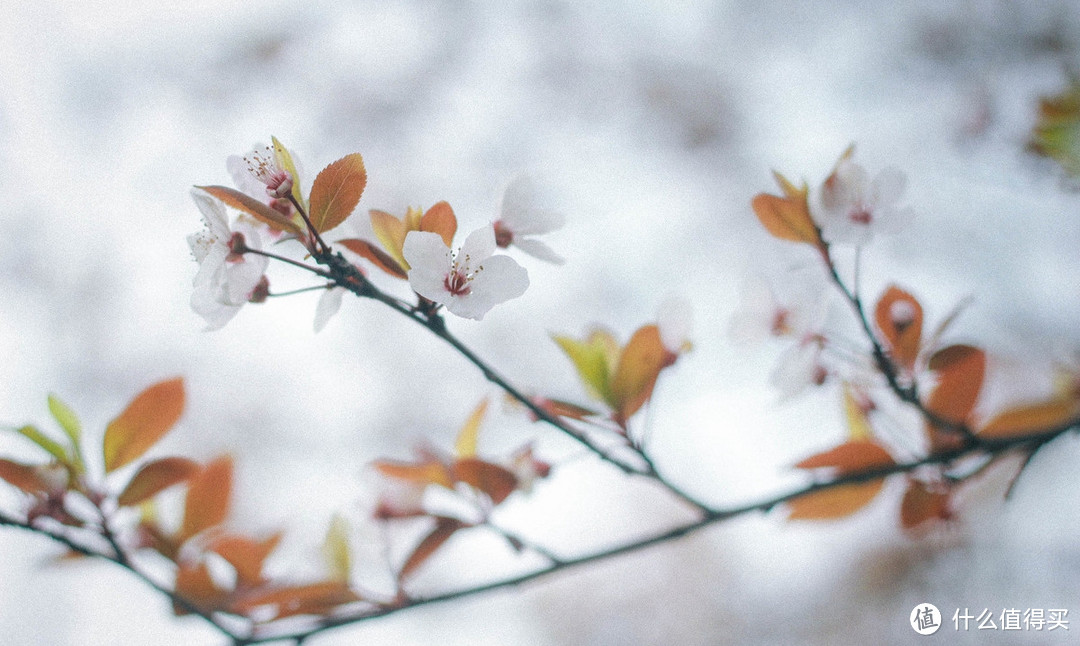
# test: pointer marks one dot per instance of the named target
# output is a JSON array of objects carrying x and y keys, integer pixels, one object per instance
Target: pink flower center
[
  {"x": 456, "y": 282},
  {"x": 503, "y": 235},
  {"x": 861, "y": 215}
]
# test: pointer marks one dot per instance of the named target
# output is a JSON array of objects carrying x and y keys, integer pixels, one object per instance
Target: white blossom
[
  {"x": 522, "y": 215},
  {"x": 469, "y": 281}
]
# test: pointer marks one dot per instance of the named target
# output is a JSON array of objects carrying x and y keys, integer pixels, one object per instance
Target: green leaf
[
  {"x": 50, "y": 445},
  {"x": 594, "y": 360},
  {"x": 336, "y": 192},
  {"x": 66, "y": 418}
]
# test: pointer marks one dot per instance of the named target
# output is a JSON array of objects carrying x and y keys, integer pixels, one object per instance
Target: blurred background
[{"x": 652, "y": 125}]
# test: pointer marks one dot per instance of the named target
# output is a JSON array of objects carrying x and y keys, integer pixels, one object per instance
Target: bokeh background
[{"x": 652, "y": 124}]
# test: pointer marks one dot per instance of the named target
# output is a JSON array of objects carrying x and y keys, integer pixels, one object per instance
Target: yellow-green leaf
[
  {"x": 67, "y": 419},
  {"x": 154, "y": 477},
  {"x": 391, "y": 233},
  {"x": 336, "y": 192},
  {"x": 284, "y": 159},
  {"x": 207, "y": 503},
  {"x": 146, "y": 420},
  {"x": 336, "y": 551},
  {"x": 51, "y": 446},
  {"x": 858, "y": 421},
  {"x": 465, "y": 447},
  {"x": 595, "y": 360}
]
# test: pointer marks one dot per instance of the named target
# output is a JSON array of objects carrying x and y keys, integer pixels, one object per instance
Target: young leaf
[
  {"x": 1032, "y": 418},
  {"x": 23, "y": 476},
  {"x": 921, "y": 504},
  {"x": 67, "y": 420},
  {"x": 156, "y": 476},
  {"x": 635, "y": 376},
  {"x": 289, "y": 601},
  {"x": 207, "y": 503},
  {"x": 336, "y": 192},
  {"x": 834, "y": 502},
  {"x": 787, "y": 217},
  {"x": 850, "y": 457},
  {"x": 336, "y": 551},
  {"x": 899, "y": 318},
  {"x": 147, "y": 418},
  {"x": 494, "y": 480},
  {"x": 960, "y": 370},
  {"x": 444, "y": 529},
  {"x": 425, "y": 472},
  {"x": 285, "y": 161},
  {"x": 246, "y": 555},
  {"x": 51, "y": 446},
  {"x": 194, "y": 584},
  {"x": 391, "y": 233},
  {"x": 244, "y": 202},
  {"x": 440, "y": 219},
  {"x": 377, "y": 256},
  {"x": 1057, "y": 132},
  {"x": 594, "y": 360},
  {"x": 465, "y": 446},
  {"x": 858, "y": 421}
]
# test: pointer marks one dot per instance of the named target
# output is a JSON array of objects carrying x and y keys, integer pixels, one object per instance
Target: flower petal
[
  {"x": 329, "y": 304},
  {"x": 887, "y": 186},
  {"x": 429, "y": 260},
  {"x": 478, "y": 246},
  {"x": 213, "y": 213},
  {"x": 500, "y": 280},
  {"x": 538, "y": 250},
  {"x": 523, "y": 212}
]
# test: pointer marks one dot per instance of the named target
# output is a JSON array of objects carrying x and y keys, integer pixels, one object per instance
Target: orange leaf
[
  {"x": 246, "y": 555},
  {"x": 494, "y": 480},
  {"x": 834, "y": 502},
  {"x": 1031, "y": 419},
  {"x": 788, "y": 217},
  {"x": 253, "y": 207},
  {"x": 560, "y": 408},
  {"x": 307, "y": 599},
  {"x": 960, "y": 370},
  {"x": 899, "y": 318},
  {"x": 635, "y": 375},
  {"x": 194, "y": 583},
  {"x": 23, "y": 476},
  {"x": 851, "y": 457},
  {"x": 156, "y": 476},
  {"x": 336, "y": 192},
  {"x": 440, "y": 219},
  {"x": 922, "y": 504},
  {"x": 377, "y": 256},
  {"x": 146, "y": 419},
  {"x": 207, "y": 502},
  {"x": 444, "y": 529},
  {"x": 427, "y": 472}
]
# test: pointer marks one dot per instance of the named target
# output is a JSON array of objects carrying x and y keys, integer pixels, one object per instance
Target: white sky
[{"x": 653, "y": 124}]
